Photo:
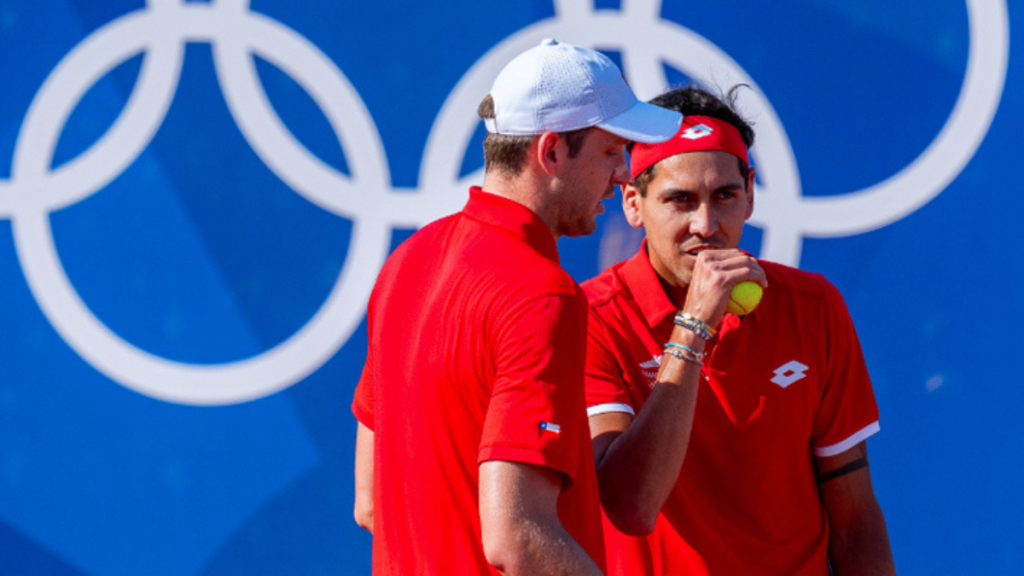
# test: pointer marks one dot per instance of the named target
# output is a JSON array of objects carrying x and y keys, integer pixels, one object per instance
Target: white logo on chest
[
  {"x": 650, "y": 369},
  {"x": 789, "y": 373}
]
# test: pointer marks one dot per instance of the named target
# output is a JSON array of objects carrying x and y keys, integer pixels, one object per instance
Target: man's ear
[
  {"x": 548, "y": 151},
  {"x": 631, "y": 200}
]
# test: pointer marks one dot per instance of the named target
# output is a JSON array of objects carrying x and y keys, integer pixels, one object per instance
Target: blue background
[{"x": 200, "y": 254}]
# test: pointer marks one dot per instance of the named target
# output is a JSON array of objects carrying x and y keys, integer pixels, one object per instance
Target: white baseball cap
[{"x": 562, "y": 87}]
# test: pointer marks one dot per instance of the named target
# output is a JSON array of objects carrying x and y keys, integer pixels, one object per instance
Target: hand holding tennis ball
[{"x": 744, "y": 297}]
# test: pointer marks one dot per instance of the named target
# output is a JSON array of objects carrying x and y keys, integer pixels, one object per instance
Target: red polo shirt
[
  {"x": 476, "y": 351},
  {"x": 786, "y": 382}
]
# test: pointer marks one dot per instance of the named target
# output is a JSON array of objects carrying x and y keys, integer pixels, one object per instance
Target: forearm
[
  {"x": 363, "y": 509},
  {"x": 541, "y": 549},
  {"x": 520, "y": 528},
  {"x": 640, "y": 467},
  {"x": 862, "y": 548}
]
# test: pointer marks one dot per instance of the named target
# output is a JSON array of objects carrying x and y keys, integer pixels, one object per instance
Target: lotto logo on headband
[{"x": 696, "y": 132}]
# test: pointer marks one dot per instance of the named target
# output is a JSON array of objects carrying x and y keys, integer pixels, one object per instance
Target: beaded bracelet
[
  {"x": 698, "y": 355},
  {"x": 698, "y": 327},
  {"x": 683, "y": 356},
  {"x": 692, "y": 318}
]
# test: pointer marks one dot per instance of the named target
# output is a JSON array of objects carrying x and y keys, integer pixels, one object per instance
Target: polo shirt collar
[
  {"x": 513, "y": 217},
  {"x": 643, "y": 282}
]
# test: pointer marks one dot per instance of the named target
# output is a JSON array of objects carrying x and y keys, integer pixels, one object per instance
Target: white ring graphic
[
  {"x": 789, "y": 217},
  {"x": 162, "y": 28},
  {"x": 161, "y": 32}
]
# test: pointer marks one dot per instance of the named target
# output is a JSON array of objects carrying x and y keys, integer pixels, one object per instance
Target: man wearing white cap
[{"x": 473, "y": 452}]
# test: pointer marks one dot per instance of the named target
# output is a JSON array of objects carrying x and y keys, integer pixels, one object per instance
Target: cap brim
[{"x": 645, "y": 123}]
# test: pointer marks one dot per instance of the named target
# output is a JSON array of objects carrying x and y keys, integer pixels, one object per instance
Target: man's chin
[
  {"x": 682, "y": 274},
  {"x": 584, "y": 227},
  {"x": 578, "y": 232}
]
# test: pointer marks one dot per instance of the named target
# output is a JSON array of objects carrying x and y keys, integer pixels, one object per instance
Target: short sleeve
[
  {"x": 848, "y": 413},
  {"x": 536, "y": 409},
  {"x": 603, "y": 379},
  {"x": 362, "y": 403}
]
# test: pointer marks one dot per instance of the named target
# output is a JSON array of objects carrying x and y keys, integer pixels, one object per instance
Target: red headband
[{"x": 696, "y": 133}]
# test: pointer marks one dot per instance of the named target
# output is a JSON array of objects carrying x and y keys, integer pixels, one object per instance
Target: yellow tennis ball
[{"x": 744, "y": 297}]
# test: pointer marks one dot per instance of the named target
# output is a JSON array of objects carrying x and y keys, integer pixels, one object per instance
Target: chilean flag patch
[{"x": 551, "y": 428}]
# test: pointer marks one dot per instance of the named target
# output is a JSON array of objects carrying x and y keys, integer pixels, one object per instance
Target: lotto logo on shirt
[{"x": 789, "y": 373}]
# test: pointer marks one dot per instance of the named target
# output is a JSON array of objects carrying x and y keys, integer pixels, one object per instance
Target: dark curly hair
[{"x": 695, "y": 101}]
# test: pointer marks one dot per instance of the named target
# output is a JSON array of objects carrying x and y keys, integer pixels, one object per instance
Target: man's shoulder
[
  {"x": 497, "y": 259},
  {"x": 417, "y": 247},
  {"x": 541, "y": 277},
  {"x": 605, "y": 287},
  {"x": 523, "y": 269},
  {"x": 799, "y": 292},
  {"x": 425, "y": 237}
]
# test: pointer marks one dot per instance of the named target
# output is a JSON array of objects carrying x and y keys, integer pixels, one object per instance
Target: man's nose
[
  {"x": 621, "y": 174},
  {"x": 702, "y": 221}
]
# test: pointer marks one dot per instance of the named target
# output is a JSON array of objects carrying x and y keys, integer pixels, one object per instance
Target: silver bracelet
[
  {"x": 698, "y": 327},
  {"x": 684, "y": 356},
  {"x": 698, "y": 355}
]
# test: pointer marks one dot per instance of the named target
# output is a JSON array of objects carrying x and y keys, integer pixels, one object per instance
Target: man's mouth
[{"x": 696, "y": 250}]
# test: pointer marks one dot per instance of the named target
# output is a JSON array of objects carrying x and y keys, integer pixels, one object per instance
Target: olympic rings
[{"x": 237, "y": 35}]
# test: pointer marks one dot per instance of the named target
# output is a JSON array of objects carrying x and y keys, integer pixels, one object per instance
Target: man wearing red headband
[{"x": 724, "y": 445}]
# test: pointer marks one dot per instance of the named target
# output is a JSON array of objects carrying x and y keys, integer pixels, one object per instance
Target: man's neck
[
  {"x": 676, "y": 294},
  {"x": 525, "y": 190}
]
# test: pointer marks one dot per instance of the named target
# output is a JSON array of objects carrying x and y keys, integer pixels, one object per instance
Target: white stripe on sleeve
[
  {"x": 613, "y": 407},
  {"x": 850, "y": 442}
]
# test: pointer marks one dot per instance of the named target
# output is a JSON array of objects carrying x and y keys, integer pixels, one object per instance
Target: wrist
[
  {"x": 687, "y": 338},
  {"x": 684, "y": 352},
  {"x": 695, "y": 325}
]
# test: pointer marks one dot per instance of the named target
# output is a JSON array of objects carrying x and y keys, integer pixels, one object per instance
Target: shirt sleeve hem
[
  {"x": 856, "y": 438},
  {"x": 610, "y": 407},
  {"x": 364, "y": 416},
  {"x": 527, "y": 456}
]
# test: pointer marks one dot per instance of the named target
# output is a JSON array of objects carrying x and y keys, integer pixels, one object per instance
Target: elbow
[
  {"x": 629, "y": 516},
  {"x": 632, "y": 507},
  {"x": 510, "y": 544},
  {"x": 641, "y": 526},
  {"x": 363, "y": 514},
  {"x": 634, "y": 524},
  {"x": 500, "y": 552}
]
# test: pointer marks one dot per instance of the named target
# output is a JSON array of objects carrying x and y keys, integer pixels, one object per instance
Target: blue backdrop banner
[{"x": 196, "y": 197}]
